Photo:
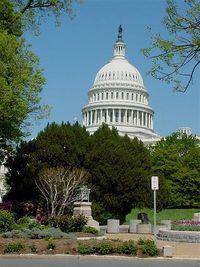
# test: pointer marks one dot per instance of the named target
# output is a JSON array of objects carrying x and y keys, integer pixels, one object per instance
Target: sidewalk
[{"x": 180, "y": 249}]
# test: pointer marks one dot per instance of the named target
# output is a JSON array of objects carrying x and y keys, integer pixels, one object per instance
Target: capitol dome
[{"x": 118, "y": 98}]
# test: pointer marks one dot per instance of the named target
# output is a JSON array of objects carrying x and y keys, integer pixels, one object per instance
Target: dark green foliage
[
  {"x": 14, "y": 247},
  {"x": 103, "y": 248},
  {"x": 150, "y": 248},
  {"x": 62, "y": 145},
  {"x": 68, "y": 223},
  {"x": 128, "y": 247},
  {"x": 176, "y": 160},
  {"x": 108, "y": 247},
  {"x": 85, "y": 249},
  {"x": 120, "y": 173},
  {"x": 89, "y": 229},
  {"x": 51, "y": 245},
  {"x": 6, "y": 220}
]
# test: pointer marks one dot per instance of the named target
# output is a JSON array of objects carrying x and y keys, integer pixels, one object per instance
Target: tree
[
  {"x": 177, "y": 160},
  {"x": 176, "y": 59},
  {"x": 21, "y": 79},
  {"x": 57, "y": 146},
  {"x": 58, "y": 187},
  {"x": 32, "y": 12},
  {"x": 119, "y": 174}
]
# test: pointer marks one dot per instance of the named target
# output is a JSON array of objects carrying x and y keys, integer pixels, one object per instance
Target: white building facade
[{"x": 119, "y": 98}]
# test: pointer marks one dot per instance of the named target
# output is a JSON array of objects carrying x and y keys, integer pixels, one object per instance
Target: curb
[{"x": 78, "y": 256}]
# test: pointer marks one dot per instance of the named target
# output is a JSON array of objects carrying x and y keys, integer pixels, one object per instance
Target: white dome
[
  {"x": 119, "y": 99},
  {"x": 118, "y": 70}
]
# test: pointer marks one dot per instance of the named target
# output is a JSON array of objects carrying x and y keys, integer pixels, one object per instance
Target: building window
[
  {"x": 106, "y": 95},
  {"x": 117, "y": 95},
  {"x": 111, "y": 95},
  {"x": 98, "y": 96},
  {"x": 122, "y": 95},
  {"x": 127, "y": 96},
  {"x": 132, "y": 97}
]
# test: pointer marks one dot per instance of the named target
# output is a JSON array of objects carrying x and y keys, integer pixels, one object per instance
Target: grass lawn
[{"x": 167, "y": 214}]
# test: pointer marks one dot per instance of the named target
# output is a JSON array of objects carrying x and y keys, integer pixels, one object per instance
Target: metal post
[{"x": 154, "y": 207}]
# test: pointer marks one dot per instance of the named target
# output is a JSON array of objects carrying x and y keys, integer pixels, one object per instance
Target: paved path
[
  {"x": 180, "y": 249},
  {"x": 85, "y": 261}
]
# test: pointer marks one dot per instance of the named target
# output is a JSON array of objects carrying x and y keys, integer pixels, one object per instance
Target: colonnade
[{"x": 118, "y": 116}]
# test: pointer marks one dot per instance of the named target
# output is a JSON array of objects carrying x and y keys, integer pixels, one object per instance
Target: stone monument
[{"x": 83, "y": 207}]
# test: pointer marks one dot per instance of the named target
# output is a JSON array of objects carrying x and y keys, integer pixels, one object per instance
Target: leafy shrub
[
  {"x": 13, "y": 247},
  {"x": 33, "y": 248},
  {"x": 150, "y": 248},
  {"x": 27, "y": 222},
  {"x": 51, "y": 245},
  {"x": 68, "y": 223},
  {"x": 128, "y": 247},
  {"x": 6, "y": 220},
  {"x": 85, "y": 249},
  {"x": 24, "y": 219},
  {"x": 103, "y": 248},
  {"x": 140, "y": 241},
  {"x": 90, "y": 230},
  {"x": 36, "y": 233}
]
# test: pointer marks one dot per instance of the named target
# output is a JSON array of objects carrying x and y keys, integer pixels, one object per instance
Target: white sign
[{"x": 154, "y": 182}]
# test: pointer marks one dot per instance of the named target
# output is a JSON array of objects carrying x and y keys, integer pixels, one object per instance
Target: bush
[
  {"x": 51, "y": 245},
  {"x": 14, "y": 247},
  {"x": 85, "y": 249},
  {"x": 6, "y": 220},
  {"x": 27, "y": 222},
  {"x": 140, "y": 241},
  {"x": 103, "y": 248},
  {"x": 150, "y": 248},
  {"x": 128, "y": 247},
  {"x": 90, "y": 230},
  {"x": 36, "y": 233},
  {"x": 33, "y": 248},
  {"x": 68, "y": 223}
]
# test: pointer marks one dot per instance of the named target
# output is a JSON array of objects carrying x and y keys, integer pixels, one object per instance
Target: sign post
[{"x": 154, "y": 187}]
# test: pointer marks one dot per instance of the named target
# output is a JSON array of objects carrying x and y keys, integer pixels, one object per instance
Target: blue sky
[{"x": 72, "y": 53}]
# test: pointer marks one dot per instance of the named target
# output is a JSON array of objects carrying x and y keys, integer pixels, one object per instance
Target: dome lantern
[{"x": 119, "y": 47}]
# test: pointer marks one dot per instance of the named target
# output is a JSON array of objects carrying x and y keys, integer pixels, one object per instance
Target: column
[
  {"x": 87, "y": 123},
  {"x": 120, "y": 116},
  {"x": 101, "y": 116},
  {"x": 142, "y": 118},
  {"x": 152, "y": 122},
  {"x": 126, "y": 118},
  {"x": 137, "y": 118},
  {"x": 96, "y": 116},
  {"x": 146, "y": 117},
  {"x": 113, "y": 115},
  {"x": 107, "y": 117},
  {"x": 131, "y": 120}
]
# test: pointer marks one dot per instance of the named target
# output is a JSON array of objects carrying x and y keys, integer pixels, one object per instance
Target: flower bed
[{"x": 186, "y": 225}]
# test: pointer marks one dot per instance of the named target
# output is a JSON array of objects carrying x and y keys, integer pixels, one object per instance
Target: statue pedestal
[{"x": 84, "y": 208}]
